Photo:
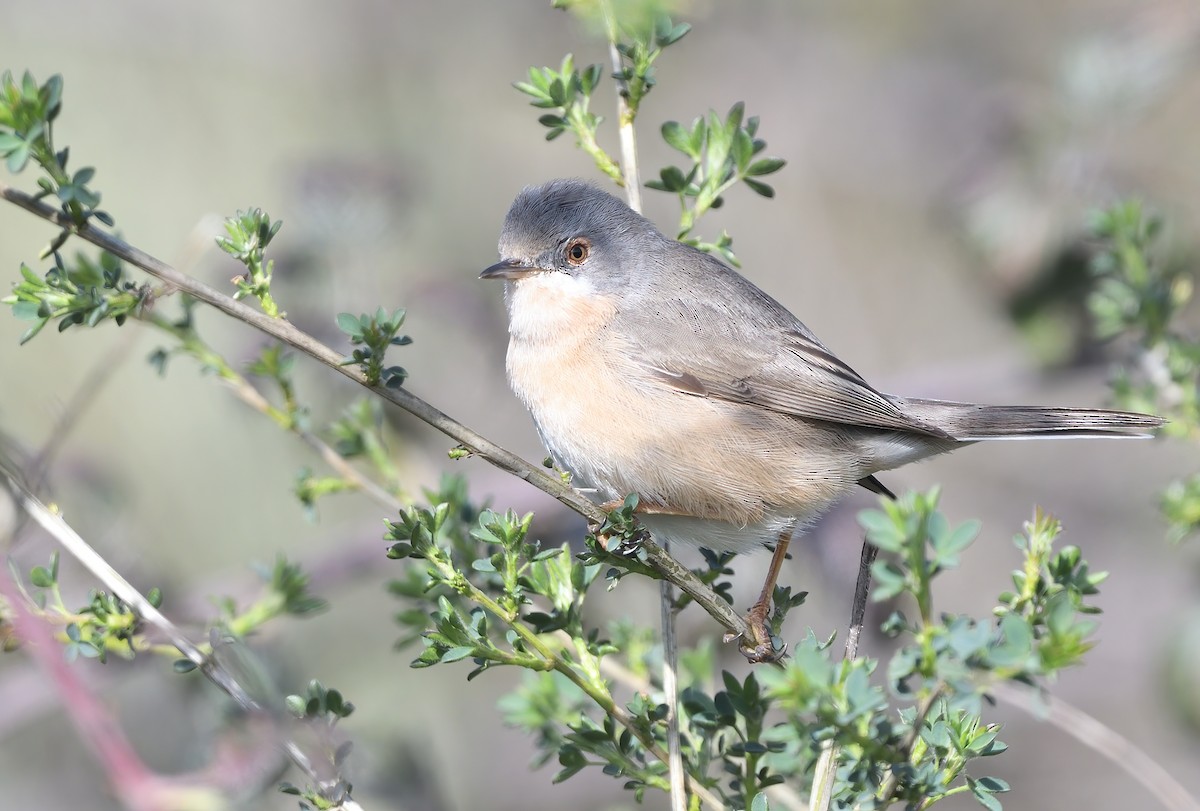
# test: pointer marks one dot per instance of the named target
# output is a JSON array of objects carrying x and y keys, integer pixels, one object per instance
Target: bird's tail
[{"x": 969, "y": 422}]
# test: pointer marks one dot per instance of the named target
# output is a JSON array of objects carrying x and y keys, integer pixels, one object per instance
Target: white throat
[{"x": 548, "y": 307}]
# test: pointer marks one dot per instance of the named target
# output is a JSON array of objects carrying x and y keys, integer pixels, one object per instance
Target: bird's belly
[
  {"x": 594, "y": 425},
  {"x": 746, "y": 474}
]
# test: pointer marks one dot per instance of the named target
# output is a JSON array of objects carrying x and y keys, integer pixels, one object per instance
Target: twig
[
  {"x": 826, "y": 768},
  {"x": 1106, "y": 741},
  {"x": 862, "y": 591},
  {"x": 625, "y": 116},
  {"x": 210, "y": 666},
  {"x": 284, "y": 331},
  {"x": 670, "y": 670}
]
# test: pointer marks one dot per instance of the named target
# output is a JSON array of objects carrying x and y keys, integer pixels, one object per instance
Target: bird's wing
[{"x": 742, "y": 346}]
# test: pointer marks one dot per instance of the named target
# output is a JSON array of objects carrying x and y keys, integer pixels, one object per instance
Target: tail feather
[{"x": 970, "y": 422}]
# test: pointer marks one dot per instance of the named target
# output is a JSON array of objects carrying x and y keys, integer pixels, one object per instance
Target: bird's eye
[{"x": 578, "y": 250}]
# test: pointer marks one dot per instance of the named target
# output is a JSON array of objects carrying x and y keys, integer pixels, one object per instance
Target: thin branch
[
  {"x": 285, "y": 332},
  {"x": 862, "y": 591},
  {"x": 210, "y": 666},
  {"x": 1106, "y": 741},
  {"x": 822, "y": 793},
  {"x": 670, "y": 680},
  {"x": 625, "y": 116}
]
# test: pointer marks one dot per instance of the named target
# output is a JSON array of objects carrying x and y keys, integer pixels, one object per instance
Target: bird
[{"x": 652, "y": 368}]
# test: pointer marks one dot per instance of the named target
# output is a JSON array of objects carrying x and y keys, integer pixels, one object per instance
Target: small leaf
[
  {"x": 958, "y": 540},
  {"x": 742, "y": 150},
  {"x": 760, "y": 188},
  {"x": 296, "y": 705},
  {"x": 679, "y": 138},
  {"x": 349, "y": 324},
  {"x": 457, "y": 653},
  {"x": 993, "y": 784},
  {"x": 766, "y": 166}
]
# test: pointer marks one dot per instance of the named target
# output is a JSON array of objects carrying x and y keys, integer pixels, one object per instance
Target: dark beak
[{"x": 508, "y": 270}]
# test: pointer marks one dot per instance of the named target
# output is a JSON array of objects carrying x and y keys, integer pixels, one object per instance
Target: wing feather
[{"x": 741, "y": 346}]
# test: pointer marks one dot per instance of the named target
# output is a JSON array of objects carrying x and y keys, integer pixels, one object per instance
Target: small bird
[{"x": 652, "y": 368}]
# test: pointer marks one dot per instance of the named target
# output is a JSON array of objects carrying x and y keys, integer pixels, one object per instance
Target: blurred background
[{"x": 942, "y": 159}]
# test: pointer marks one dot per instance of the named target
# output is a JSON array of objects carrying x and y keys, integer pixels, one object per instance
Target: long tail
[{"x": 970, "y": 422}]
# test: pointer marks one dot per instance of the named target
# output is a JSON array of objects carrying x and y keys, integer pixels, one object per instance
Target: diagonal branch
[
  {"x": 1112, "y": 745},
  {"x": 286, "y": 333},
  {"x": 212, "y": 666}
]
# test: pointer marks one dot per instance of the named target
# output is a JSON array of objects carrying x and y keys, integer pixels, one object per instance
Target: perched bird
[{"x": 650, "y": 367}]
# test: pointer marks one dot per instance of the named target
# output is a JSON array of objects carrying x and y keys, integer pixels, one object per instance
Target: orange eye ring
[{"x": 578, "y": 251}]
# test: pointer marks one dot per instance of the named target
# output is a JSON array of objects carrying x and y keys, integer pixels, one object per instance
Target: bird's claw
[{"x": 758, "y": 644}]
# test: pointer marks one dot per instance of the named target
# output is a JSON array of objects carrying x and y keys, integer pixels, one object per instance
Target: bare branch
[{"x": 1112, "y": 745}]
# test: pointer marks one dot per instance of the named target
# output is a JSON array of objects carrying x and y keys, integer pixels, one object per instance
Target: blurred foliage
[
  {"x": 1140, "y": 297},
  {"x": 1143, "y": 293}
]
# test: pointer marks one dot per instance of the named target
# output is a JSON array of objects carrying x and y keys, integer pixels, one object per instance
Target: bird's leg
[
  {"x": 762, "y": 645},
  {"x": 758, "y": 644}
]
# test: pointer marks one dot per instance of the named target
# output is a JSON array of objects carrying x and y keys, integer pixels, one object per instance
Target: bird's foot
[{"x": 759, "y": 644}]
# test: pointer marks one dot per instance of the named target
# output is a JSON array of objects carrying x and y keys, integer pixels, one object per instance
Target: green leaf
[
  {"x": 18, "y": 158},
  {"x": 733, "y": 121},
  {"x": 963, "y": 536},
  {"x": 532, "y": 90},
  {"x": 673, "y": 179},
  {"x": 296, "y": 705},
  {"x": 760, "y": 188},
  {"x": 889, "y": 580},
  {"x": 456, "y": 654},
  {"x": 765, "y": 166},
  {"x": 742, "y": 150},
  {"x": 349, "y": 324},
  {"x": 882, "y": 530},
  {"x": 676, "y": 33},
  {"x": 29, "y": 334},
  {"x": 26, "y": 310},
  {"x": 590, "y": 78},
  {"x": 993, "y": 784},
  {"x": 679, "y": 138},
  {"x": 983, "y": 796}
]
